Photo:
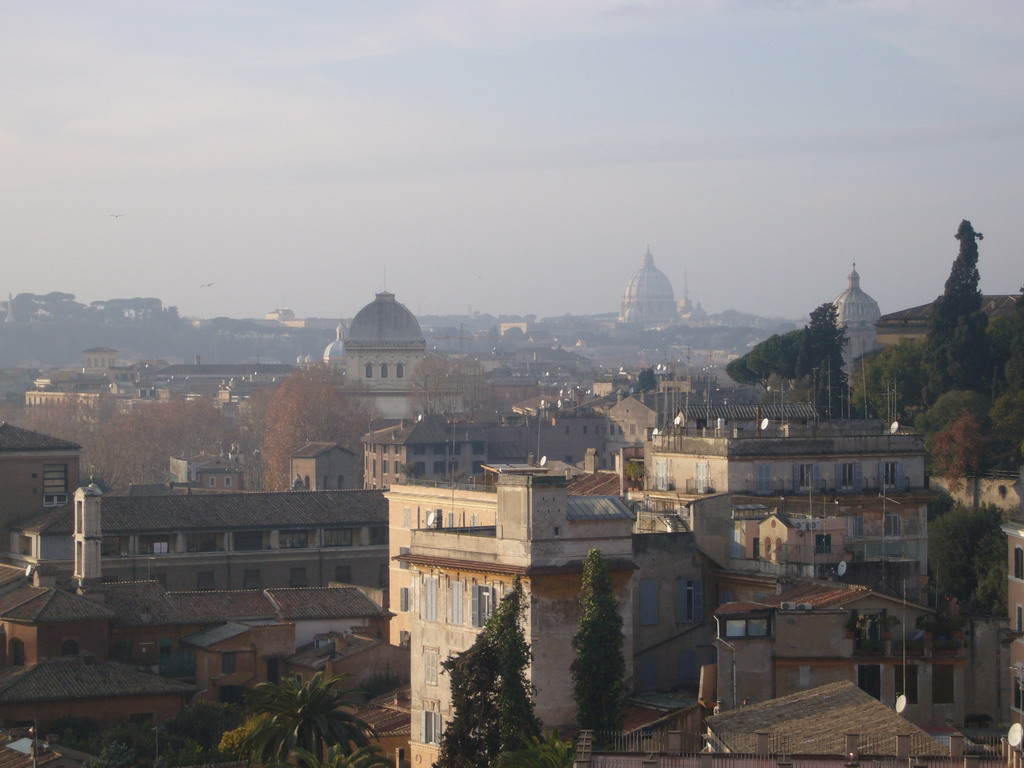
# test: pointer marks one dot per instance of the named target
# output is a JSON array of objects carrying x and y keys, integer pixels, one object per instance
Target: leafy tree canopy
[
  {"x": 898, "y": 369},
  {"x": 967, "y": 553}
]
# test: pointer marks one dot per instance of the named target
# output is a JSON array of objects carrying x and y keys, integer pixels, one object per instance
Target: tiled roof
[
  {"x": 312, "y": 450},
  {"x": 819, "y": 595},
  {"x": 740, "y": 607},
  {"x": 12, "y": 757},
  {"x": 201, "y": 607},
  {"x": 596, "y": 508},
  {"x": 597, "y": 484},
  {"x": 227, "y": 511},
  {"x": 807, "y": 723},
  {"x": 431, "y": 428},
  {"x": 743, "y": 411},
  {"x": 213, "y": 635},
  {"x": 62, "y": 679},
  {"x": 993, "y": 305},
  {"x": 298, "y": 603},
  {"x": 14, "y": 438},
  {"x": 11, "y": 574},
  {"x": 225, "y": 369},
  {"x": 343, "y": 647},
  {"x": 45, "y": 604},
  {"x": 390, "y": 714}
]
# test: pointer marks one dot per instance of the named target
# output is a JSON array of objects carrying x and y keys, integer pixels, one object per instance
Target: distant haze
[{"x": 508, "y": 156}]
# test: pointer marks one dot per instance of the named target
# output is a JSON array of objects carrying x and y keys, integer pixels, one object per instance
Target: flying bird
[
  {"x": 206, "y": 285},
  {"x": 116, "y": 215}
]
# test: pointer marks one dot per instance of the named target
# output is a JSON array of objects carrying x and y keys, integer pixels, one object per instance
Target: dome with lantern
[
  {"x": 334, "y": 353},
  {"x": 648, "y": 296},
  {"x": 857, "y": 313}
]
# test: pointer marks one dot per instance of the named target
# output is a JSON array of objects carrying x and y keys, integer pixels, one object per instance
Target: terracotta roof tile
[
  {"x": 228, "y": 511},
  {"x": 818, "y": 595},
  {"x": 298, "y": 603},
  {"x": 46, "y": 604},
  {"x": 597, "y": 484},
  {"x": 14, "y": 438},
  {"x": 805, "y": 723},
  {"x": 61, "y": 679}
]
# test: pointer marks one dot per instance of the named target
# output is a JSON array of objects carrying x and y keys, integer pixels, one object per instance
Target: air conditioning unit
[
  {"x": 788, "y": 606},
  {"x": 805, "y": 607}
]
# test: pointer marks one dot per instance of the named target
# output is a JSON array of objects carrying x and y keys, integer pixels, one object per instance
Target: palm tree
[
  {"x": 293, "y": 715},
  {"x": 364, "y": 757},
  {"x": 550, "y": 752}
]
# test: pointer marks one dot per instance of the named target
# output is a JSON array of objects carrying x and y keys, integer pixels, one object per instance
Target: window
[
  {"x": 893, "y": 525},
  {"x": 430, "y": 666},
  {"x": 204, "y": 581},
  {"x": 455, "y": 614},
  {"x": 17, "y": 652},
  {"x": 213, "y": 482},
  {"x": 406, "y": 517},
  {"x": 384, "y": 466},
  {"x": 338, "y": 537},
  {"x": 248, "y": 541},
  {"x": 910, "y": 688},
  {"x": 202, "y": 542},
  {"x": 368, "y": 372},
  {"x": 855, "y": 526},
  {"x": 251, "y": 578},
  {"x": 439, "y": 467},
  {"x": 757, "y": 548},
  {"x": 746, "y": 627},
  {"x": 55, "y": 484},
  {"x": 430, "y": 598},
  {"x": 648, "y": 602},
  {"x": 869, "y": 679},
  {"x": 378, "y": 534},
  {"x": 890, "y": 475},
  {"x": 399, "y": 371},
  {"x": 822, "y": 543},
  {"x": 69, "y": 648},
  {"x": 1020, "y": 618},
  {"x": 343, "y": 574},
  {"x": 703, "y": 476},
  {"x": 140, "y": 718},
  {"x": 691, "y": 600},
  {"x": 229, "y": 662},
  {"x": 297, "y": 577},
  {"x": 1018, "y": 562},
  {"x": 805, "y": 477},
  {"x": 943, "y": 691},
  {"x": 294, "y": 539},
  {"x": 482, "y": 604},
  {"x": 419, "y": 468},
  {"x": 451, "y": 519},
  {"x": 227, "y": 481},
  {"x": 847, "y": 476},
  {"x": 431, "y": 727},
  {"x": 419, "y": 450},
  {"x": 764, "y": 478},
  {"x": 154, "y": 545},
  {"x": 113, "y": 546},
  {"x": 403, "y": 599},
  {"x": 341, "y": 482}
]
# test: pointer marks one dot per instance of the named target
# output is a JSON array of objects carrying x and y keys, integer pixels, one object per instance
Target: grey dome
[
  {"x": 853, "y": 306},
  {"x": 385, "y": 322},
  {"x": 648, "y": 295},
  {"x": 336, "y": 349}
]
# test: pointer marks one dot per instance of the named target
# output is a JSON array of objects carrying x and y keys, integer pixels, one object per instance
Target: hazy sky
[{"x": 514, "y": 156}]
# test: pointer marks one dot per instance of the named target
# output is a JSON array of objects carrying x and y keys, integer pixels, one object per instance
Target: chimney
[
  {"x": 590, "y": 461},
  {"x": 88, "y": 535},
  {"x": 197, "y": 360}
]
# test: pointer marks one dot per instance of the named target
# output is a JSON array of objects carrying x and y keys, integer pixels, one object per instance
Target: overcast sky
[{"x": 515, "y": 156}]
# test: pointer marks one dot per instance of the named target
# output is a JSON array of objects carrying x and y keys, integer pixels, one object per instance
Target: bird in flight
[
  {"x": 206, "y": 285},
  {"x": 116, "y": 215}
]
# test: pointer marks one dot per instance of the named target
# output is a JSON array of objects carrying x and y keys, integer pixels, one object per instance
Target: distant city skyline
[{"x": 510, "y": 157}]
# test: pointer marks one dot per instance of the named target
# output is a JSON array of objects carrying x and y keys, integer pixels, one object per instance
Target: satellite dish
[
  {"x": 543, "y": 461},
  {"x": 28, "y": 570},
  {"x": 841, "y": 568},
  {"x": 420, "y": 417},
  {"x": 764, "y": 423},
  {"x": 901, "y": 703},
  {"x": 655, "y": 432},
  {"x": 1013, "y": 736},
  {"x": 678, "y": 420},
  {"x": 432, "y": 518},
  {"x": 894, "y": 428}
]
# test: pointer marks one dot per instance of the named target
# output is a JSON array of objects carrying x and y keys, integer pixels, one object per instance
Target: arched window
[
  {"x": 383, "y": 370},
  {"x": 768, "y": 546},
  {"x": 69, "y": 648},
  {"x": 399, "y": 371},
  {"x": 369, "y": 371},
  {"x": 17, "y": 652},
  {"x": 778, "y": 548}
]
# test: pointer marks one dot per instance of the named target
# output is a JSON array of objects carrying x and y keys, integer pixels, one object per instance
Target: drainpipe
[{"x": 732, "y": 656}]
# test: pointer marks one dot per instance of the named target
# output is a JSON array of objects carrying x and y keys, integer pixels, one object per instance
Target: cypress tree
[
  {"x": 957, "y": 354},
  {"x": 821, "y": 358},
  {"x": 599, "y": 669}
]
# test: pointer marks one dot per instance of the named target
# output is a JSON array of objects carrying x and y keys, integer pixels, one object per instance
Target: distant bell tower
[{"x": 88, "y": 535}]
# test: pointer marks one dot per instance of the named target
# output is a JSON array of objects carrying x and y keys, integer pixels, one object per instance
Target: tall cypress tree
[
  {"x": 1014, "y": 369},
  {"x": 599, "y": 669},
  {"x": 491, "y": 695},
  {"x": 821, "y": 359},
  {"x": 957, "y": 353}
]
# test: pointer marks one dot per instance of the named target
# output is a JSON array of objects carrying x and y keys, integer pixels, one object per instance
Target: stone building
[{"x": 382, "y": 349}]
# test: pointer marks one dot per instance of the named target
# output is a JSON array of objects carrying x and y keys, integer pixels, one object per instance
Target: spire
[
  {"x": 648, "y": 257},
  {"x": 854, "y": 277}
]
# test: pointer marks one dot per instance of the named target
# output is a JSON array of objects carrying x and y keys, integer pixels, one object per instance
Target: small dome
[
  {"x": 336, "y": 349},
  {"x": 385, "y": 322},
  {"x": 853, "y": 306},
  {"x": 648, "y": 295}
]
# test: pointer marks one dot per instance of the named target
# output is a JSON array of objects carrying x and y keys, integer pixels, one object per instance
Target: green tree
[
  {"x": 959, "y": 450},
  {"x": 957, "y": 356},
  {"x": 292, "y": 715},
  {"x": 1007, "y": 418},
  {"x": 820, "y": 359},
  {"x": 967, "y": 553},
  {"x": 599, "y": 668},
  {"x": 364, "y": 757},
  {"x": 775, "y": 355},
  {"x": 947, "y": 409},
  {"x": 646, "y": 381},
  {"x": 491, "y": 697},
  {"x": 1014, "y": 367},
  {"x": 898, "y": 369},
  {"x": 550, "y": 752}
]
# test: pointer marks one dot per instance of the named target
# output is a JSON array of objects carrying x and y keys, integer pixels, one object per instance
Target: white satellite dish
[
  {"x": 432, "y": 518},
  {"x": 901, "y": 703},
  {"x": 841, "y": 568},
  {"x": 894, "y": 428},
  {"x": 29, "y": 570},
  {"x": 655, "y": 431},
  {"x": 543, "y": 461},
  {"x": 678, "y": 420},
  {"x": 765, "y": 423},
  {"x": 1013, "y": 736}
]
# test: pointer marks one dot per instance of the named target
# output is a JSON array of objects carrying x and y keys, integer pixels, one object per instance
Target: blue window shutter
[
  {"x": 698, "y": 601},
  {"x": 796, "y": 477},
  {"x": 688, "y": 667},
  {"x": 858, "y": 477},
  {"x": 901, "y": 480},
  {"x": 680, "y": 601},
  {"x": 839, "y": 476},
  {"x": 881, "y": 475},
  {"x": 475, "y": 605},
  {"x": 815, "y": 476},
  {"x": 648, "y": 601}
]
